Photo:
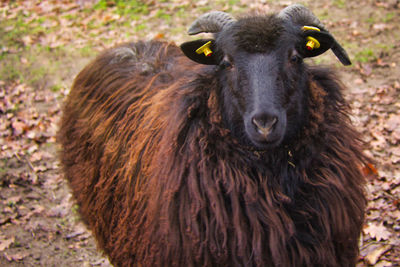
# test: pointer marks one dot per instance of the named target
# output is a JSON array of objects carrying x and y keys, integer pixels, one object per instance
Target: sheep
[{"x": 248, "y": 158}]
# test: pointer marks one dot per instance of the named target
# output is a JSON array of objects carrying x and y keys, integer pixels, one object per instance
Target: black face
[
  {"x": 262, "y": 75},
  {"x": 263, "y": 95}
]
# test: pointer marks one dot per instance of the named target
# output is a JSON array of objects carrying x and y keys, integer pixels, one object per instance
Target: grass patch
[
  {"x": 56, "y": 88},
  {"x": 124, "y": 8},
  {"x": 161, "y": 14},
  {"x": 13, "y": 69},
  {"x": 205, "y": 9},
  {"x": 15, "y": 32},
  {"x": 371, "y": 20},
  {"x": 36, "y": 65},
  {"x": 366, "y": 55},
  {"x": 140, "y": 27},
  {"x": 3, "y": 171},
  {"x": 389, "y": 17},
  {"x": 86, "y": 51},
  {"x": 8, "y": 71},
  {"x": 339, "y": 3},
  {"x": 75, "y": 209},
  {"x": 37, "y": 75}
]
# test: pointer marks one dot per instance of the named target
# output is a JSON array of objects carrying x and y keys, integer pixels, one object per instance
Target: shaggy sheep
[{"x": 248, "y": 160}]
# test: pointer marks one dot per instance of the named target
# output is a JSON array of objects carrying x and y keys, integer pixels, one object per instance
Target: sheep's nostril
[{"x": 264, "y": 123}]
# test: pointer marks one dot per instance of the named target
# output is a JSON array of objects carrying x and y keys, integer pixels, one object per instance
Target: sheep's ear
[
  {"x": 202, "y": 51},
  {"x": 317, "y": 42}
]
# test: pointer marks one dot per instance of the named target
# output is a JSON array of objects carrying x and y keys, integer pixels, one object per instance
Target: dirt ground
[{"x": 44, "y": 44}]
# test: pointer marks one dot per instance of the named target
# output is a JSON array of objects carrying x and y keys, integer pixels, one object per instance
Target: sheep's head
[{"x": 261, "y": 68}]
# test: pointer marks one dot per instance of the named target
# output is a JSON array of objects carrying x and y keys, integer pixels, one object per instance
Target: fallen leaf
[
  {"x": 58, "y": 211},
  {"x": 396, "y": 214},
  {"x": 24, "y": 61},
  {"x": 159, "y": 36},
  {"x": 6, "y": 243},
  {"x": 17, "y": 256},
  {"x": 74, "y": 234},
  {"x": 393, "y": 122},
  {"x": 14, "y": 200},
  {"x": 380, "y": 26},
  {"x": 378, "y": 231},
  {"x": 396, "y": 85},
  {"x": 369, "y": 169},
  {"x": 366, "y": 70},
  {"x": 374, "y": 256},
  {"x": 396, "y": 151},
  {"x": 40, "y": 155},
  {"x": 79, "y": 231},
  {"x": 27, "y": 40},
  {"x": 383, "y": 264},
  {"x": 396, "y": 135},
  {"x": 373, "y": 214},
  {"x": 379, "y": 142},
  {"x": 19, "y": 127},
  {"x": 6, "y": 219}
]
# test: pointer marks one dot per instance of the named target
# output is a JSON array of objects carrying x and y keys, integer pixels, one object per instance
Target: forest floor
[{"x": 44, "y": 44}]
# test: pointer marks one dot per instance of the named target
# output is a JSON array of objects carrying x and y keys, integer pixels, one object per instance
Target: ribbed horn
[
  {"x": 213, "y": 21},
  {"x": 300, "y": 15}
]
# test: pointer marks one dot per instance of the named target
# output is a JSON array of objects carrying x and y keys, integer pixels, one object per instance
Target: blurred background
[{"x": 43, "y": 46}]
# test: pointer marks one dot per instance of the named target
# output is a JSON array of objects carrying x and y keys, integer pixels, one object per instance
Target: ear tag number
[
  {"x": 205, "y": 49},
  {"x": 312, "y": 43}
]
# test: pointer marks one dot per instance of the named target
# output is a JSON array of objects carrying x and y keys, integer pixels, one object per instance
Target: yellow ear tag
[
  {"x": 205, "y": 49},
  {"x": 312, "y": 28},
  {"x": 312, "y": 43}
]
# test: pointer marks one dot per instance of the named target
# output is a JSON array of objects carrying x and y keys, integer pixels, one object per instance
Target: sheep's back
[{"x": 107, "y": 104}]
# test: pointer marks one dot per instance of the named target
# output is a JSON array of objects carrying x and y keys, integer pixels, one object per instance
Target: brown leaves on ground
[
  {"x": 37, "y": 217},
  {"x": 376, "y": 106}
]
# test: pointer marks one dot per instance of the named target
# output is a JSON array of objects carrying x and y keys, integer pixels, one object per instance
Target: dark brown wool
[
  {"x": 161, "y": 182},
  {"x": 253, "y": 36}
]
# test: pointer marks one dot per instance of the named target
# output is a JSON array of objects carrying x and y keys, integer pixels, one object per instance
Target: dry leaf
[
  {"x": 19, "y": 127},
  {"x": 369, "y": 169},
  {"x": 378, "y": 231},
  {"x": 374, "y": 256},
  {"x": 383, "y": 264},
  {"x": 14, "y": 200},
  {"x": 6, "y": 242},
  {"x": 27, "y": 40},
  {"x": 393, "y": 122},
  {"x": 396, "y": 134},
  {"x": 396, "y": 151},
  {"x": 396, "y": 215},
  {"x": 16, "y": 256},
  {"x": 380, "y": 26}
]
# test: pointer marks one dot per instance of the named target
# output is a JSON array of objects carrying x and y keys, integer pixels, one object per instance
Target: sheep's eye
[
  {"x": 226, "y": 63},
  {"x": 295, "y": 58}
]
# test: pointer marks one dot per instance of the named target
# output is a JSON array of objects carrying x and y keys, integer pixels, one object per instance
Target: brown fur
[
  {"x": 161, "y": 182},
  {"x": 254, "y": 36}
]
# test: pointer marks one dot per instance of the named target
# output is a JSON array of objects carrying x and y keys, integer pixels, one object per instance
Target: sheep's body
[{"x": 161, "y": 180}]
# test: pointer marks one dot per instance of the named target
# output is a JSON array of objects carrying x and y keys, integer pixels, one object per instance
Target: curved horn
[
  {"x": 213, "y": 21},
  {"x": 300, "y": 15}
]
